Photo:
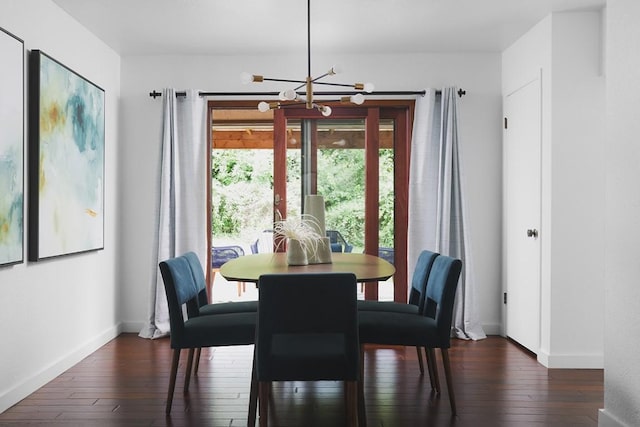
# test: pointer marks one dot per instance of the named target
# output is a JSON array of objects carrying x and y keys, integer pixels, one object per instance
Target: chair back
[
  {"x": 420, "y": 276},
  {"x": 307, "y": 308},
  {"x": 441, "y": 293},
  {"x": 193, "y": 307},
  {"x": 387, "y": 254},
  {"x": 338, "y": 242},
  {"x": 180, "y": 289}
]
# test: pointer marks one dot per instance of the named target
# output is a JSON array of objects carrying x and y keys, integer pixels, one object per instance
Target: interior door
[{"x": 522, "y": 147}]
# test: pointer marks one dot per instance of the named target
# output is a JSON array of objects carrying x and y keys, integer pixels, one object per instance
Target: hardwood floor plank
[{"x": 497, "y": 384}]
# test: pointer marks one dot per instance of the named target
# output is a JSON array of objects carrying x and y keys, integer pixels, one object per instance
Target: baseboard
[
  {"x": 571, "y": 361},
  {"x": 606, "y": 419},
  {"x": 38, "y": 379},
  {"x": 492, "y": 328},
  {"x": 131, "y": 327}
]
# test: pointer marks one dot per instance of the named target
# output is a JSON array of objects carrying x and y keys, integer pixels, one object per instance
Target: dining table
[{"x": 249, "y": 268}]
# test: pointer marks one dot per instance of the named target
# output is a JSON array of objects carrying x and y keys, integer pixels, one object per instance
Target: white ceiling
[{"x": 149, "y": 27}]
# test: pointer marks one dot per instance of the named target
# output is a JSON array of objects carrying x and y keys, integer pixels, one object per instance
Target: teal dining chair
[
  {"x": 198, "y": 331},
  {"x": 415, "y": 303},
  {"x": 307, "y": 331},
  {"x": 431, "y": 329}
]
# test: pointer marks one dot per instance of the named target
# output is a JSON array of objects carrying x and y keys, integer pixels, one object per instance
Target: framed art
[
  {"x": 11, "y": 149},
  {"x": 66, "y": 160}
]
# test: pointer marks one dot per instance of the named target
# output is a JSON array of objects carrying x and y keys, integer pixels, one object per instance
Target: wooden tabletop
[{"x": 249, "y": 268}]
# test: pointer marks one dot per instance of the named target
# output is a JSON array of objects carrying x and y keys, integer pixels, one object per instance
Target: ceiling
[{"x": 227, "y": 27}]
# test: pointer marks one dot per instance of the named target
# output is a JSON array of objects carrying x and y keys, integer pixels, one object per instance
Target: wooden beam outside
[{"x": 250, "y": 139}]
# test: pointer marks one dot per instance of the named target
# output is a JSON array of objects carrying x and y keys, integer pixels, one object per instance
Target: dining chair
[
  {"x": 431, "y": 329},
  {"x": 203, "y": 307},
  {"x": 308, "y": 331},
  {"x": 198, "y": 331},
  {"x": 415, "y": 303}
]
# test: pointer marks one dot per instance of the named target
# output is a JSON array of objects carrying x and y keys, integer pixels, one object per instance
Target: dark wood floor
[{"x": 497, "y": 384}]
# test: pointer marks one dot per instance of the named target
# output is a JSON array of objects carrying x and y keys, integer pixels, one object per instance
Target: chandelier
[{"x": 296, "y": 96}]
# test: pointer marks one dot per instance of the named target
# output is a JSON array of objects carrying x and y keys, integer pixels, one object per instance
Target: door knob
[{"x": 532, "y": 232}]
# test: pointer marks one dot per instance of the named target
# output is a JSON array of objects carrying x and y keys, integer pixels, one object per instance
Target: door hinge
[
  {"x": 504, "y": 298},
  {"x": 505, "y": 122}
]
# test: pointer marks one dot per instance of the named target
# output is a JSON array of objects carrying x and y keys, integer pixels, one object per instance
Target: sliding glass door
[{"x": 263, "y": 164}]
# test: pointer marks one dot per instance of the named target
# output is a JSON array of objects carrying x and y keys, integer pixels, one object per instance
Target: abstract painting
[
  {"x": 66, "y": 160},
  {"x": 11, "y": 149}
]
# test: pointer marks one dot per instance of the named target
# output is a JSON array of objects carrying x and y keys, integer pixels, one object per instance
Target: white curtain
[
  {"x": 181, "y": 222},
  {"x": 437, "y": 219}
]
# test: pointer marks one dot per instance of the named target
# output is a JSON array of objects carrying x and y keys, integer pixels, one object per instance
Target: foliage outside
[{"x": 242, "y": 193}]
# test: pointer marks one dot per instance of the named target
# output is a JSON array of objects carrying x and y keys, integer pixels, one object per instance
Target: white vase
[
  {"x": 295, "y": 253},
  {"x": 322, "y": 252}
]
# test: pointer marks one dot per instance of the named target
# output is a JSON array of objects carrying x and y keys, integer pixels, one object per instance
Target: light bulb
[
  {"x": 334, "y": 70},
  {"x": 287, "y": 95},
  {"x": 263, "y": 107},
  {"x": 357, "y": 99},
  {"x": 325, "y": 110},
  {"x": 246, "y": 78},
  {"x": 369, "y": 87}
]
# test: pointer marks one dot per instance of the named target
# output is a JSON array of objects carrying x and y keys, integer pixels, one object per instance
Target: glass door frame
[{"x": 401, "y": 111}]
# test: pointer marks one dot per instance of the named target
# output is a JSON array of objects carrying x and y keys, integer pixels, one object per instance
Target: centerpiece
[{"x": 305, "y": 237}]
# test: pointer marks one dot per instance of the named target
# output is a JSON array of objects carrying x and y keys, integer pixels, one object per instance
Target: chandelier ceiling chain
[{"x": 292, "y": 97}]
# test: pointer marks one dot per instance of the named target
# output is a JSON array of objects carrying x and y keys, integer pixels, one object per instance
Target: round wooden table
[{"x": 249, "y": 268}]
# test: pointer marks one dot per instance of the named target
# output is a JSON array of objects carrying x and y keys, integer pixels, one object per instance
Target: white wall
[
  {"x": 564, "y": 49},
  {"x": 622, "y": 269},
  {"x": 480, "y": 136},
  {"x": 54, "y": 313}
]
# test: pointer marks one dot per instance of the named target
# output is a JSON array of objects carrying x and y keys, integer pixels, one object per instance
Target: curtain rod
[{"x": 156, "y": 94}]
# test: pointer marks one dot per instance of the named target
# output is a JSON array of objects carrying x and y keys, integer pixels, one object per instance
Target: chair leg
[
  {"x": 447, "y": 373},
  {"x": 172, "y": 379},
  {"x": 210, "y": 285},
  {"x": 362, "y": 411},
  {"x": 197, "y": 361},
  {"x": 351, "y": 394},
  {"x": 430, "y": 367},
  {"x": 420, "y": 362},
  {"x": 187, "y": 374},
  {"x": 264, "y": 390},
  {"x": 253, "y": 396},
  {"x": 431, "y": 361}
]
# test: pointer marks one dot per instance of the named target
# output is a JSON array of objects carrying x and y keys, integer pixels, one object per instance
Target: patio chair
[{"x": 222, "y": 254}]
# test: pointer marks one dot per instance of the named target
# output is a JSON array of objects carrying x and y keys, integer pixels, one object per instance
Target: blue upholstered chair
[
  {"x": 302, "y": 341},
  {"x": 416, "y": 299},
  {"x": 203, "y": 308},
  {"x": 198, "y": 331},
  {"x": 431, "y": 329}
]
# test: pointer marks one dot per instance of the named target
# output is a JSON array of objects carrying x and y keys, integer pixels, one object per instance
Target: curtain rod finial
[
  {"x": 155, "y": 94},
  {"x": 461, "y": 92}
]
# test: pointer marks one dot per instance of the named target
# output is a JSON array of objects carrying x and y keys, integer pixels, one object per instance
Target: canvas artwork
[
  {"x": 66, "y": 160},
  {"x": 11, "y": 148}
]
